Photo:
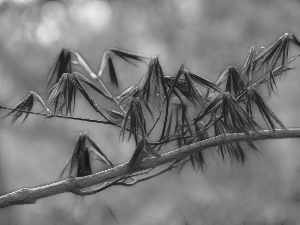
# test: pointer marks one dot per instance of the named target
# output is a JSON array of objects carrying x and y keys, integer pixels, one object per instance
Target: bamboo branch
[{"x": 75, "y": 184}]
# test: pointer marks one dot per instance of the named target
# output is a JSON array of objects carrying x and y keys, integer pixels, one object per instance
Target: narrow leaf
[
  {"x": 128, "y": 56},
  {"x": 204, "y": 82},
  {"x": 112, "y": 73},
  {"x": 25, "y": 105},
  {"x": 61, "y": 66},
  {"x": 101, "y": 156},
  {"x": 81, "y": 61},
  {"x": 90, "y": 84},
  {"x": 80, "y": 158},
  {"x": 134, "y": 121}
]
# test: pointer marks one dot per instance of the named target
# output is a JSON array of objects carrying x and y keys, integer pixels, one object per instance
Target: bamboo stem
[{"x": 73, "y": 185}]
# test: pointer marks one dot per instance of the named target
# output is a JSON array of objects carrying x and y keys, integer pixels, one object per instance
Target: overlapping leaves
[
  {"x": 253, "y": 97},
  {"x": 152, "y": 86},
  {"x": 63, "y": 93},
  {"x": 234, "y": 150},
  {"x": 234, "y": 82},
  {"x": 227, "y": 106},
  {"x": 80, "y": 159},
  {"x": 25, "y": 106},
  {"x": 62, "y": 65},
  {"x": 270, "y": 59},
  {"x": 228, "y": 110},
  {"x": 134, "y": 120}
]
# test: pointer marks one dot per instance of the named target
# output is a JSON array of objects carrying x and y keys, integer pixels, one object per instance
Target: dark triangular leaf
[
  {"x": 152, "y": 88},
  {"x": 112, "y": 72},
  {"x": 134, "y": 121},
  {"x": 234, "y": 116},
  {"x": 81, "y": 158},
  {"x": 233, "y": 80},
  {"x": 128, "y": 56},
  {"x": 61, "y": 66},
  {"x": 269, "y": 117},
  {"x": 63, "y": 94},
  {"x": 25, "y": 106}
]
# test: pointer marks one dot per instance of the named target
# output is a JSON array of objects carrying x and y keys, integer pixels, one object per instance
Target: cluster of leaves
[{"x": 224, "y": 106}]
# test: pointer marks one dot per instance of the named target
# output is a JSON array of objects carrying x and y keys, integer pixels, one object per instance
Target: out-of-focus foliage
[{"x": 207, "y": 36}]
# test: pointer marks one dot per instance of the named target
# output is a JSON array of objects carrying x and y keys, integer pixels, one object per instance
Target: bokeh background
[{"x": 207, "y": 35}]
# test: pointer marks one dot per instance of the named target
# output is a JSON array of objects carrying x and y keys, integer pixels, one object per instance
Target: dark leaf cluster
[
  {"x": 80, "y": 157},
  {"x": 186, "y": 107},
  {"x": 63, "y": 93},
  {"x": 25, "y": 106},
  {"x": 134, "y": 120}
]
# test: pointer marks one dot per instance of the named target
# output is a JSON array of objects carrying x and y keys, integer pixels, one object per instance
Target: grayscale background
[{"x": 207, "y": 35}]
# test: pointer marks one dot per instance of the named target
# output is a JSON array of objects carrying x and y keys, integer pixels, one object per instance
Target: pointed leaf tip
[
  {"x": 112, "y": 73},
  {"x": 81, "y": 157},
  {"x": 62, "y": 65},
  {"x": 22, "y": 107}
]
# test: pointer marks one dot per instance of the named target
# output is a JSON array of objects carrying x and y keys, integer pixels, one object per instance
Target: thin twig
[{"x": 47, "y": 115}]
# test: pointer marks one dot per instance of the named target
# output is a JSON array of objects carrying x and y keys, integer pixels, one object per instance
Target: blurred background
[{"x": 207, "y": 35}]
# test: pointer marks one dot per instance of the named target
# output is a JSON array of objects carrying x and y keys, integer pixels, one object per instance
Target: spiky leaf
[
  {"x": 235, "y": 118},
  {"x": 233, "y": 80},
  {"x": 62, "y": 65},
  {"x": 81, "y": 157},
  {"x": 269, "y": 117},
  {"x": 112, "y": 72},
  {"x": 134, "y": 121},
  {"x": 128, "y": 56},
  {"x": 64, "y": 91},
  {"x": 63, "y": 94},
  {"x": 25, "y": 106}
]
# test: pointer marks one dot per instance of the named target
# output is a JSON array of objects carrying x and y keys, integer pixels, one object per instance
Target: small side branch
[
  {"x": 47, "y": 115},
  {"x": 73, "y": 185}
]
